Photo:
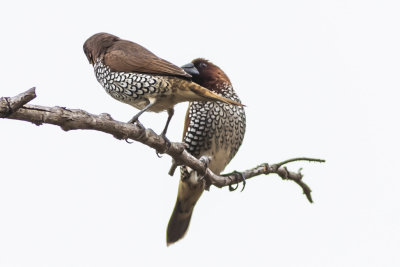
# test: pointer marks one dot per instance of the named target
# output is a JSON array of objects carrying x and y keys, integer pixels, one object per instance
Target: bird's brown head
[
  {"x": 206, "y": 74},
  {"x": 97, "y": 45}
]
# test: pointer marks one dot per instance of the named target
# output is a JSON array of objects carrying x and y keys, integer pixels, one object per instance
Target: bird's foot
[
  {"x": 241, "y": 177},
  {"x": 128, "y": 141},
  {"x": 167, "y": 145},
  {"x": 138, "y": 124}
]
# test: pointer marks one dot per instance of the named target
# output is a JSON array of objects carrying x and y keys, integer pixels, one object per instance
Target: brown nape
[
  {"x": 98, "y": 44},
  {"x": 210, "y": 75}
]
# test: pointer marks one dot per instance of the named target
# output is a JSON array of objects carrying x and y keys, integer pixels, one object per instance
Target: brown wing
[{"x": 128, "y": 56}]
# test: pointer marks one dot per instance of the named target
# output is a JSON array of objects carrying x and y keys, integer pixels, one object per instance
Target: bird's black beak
[{"x": 191, "y": 69}]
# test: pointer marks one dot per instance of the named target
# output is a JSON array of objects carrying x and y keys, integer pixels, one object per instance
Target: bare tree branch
[
  {"x": 8, "y": 105},
  {"x": 75, "y": 119}
]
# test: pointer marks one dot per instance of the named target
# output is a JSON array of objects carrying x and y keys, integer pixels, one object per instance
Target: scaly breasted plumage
[
  {"x": 132, "y": 74},
  {"x": 212, "y": 129}
]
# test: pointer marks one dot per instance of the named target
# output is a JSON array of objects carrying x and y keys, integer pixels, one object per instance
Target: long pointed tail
[
  {"x": 180, "y": 218},
  {"x": 178, "y": 224}
]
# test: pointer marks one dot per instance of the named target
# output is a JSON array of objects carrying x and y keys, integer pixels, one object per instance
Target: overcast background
[{"x": 319, "y": 78}]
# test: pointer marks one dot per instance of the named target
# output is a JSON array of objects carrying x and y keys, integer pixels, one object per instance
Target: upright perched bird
[
  {"x": 132, "y": 74},
  {"x": 212, "y": 129}
]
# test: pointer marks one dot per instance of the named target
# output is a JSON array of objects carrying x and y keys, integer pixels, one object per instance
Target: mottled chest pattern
[
  {"x": 215, "y": 126},
  {"x": 128, "y": 87}
]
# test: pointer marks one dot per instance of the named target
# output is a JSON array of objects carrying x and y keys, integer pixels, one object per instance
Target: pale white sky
[{"x": 319, "y": 78}]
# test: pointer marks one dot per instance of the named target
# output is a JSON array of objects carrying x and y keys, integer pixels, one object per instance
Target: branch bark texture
[{"x": 75, "y": 119}]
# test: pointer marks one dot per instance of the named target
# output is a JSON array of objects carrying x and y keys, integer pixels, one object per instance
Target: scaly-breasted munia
[
  {"x": 212, "y": 129},
  {"x": 132, "y": 74}
]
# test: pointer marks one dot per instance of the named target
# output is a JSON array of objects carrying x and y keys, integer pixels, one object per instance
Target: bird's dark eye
[{"x": 202, "y": 65}]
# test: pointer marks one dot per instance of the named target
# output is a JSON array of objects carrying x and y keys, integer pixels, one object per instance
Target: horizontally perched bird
[
  {"x": 132, "y": 74},
  {"x": 212, "y": 129}
]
